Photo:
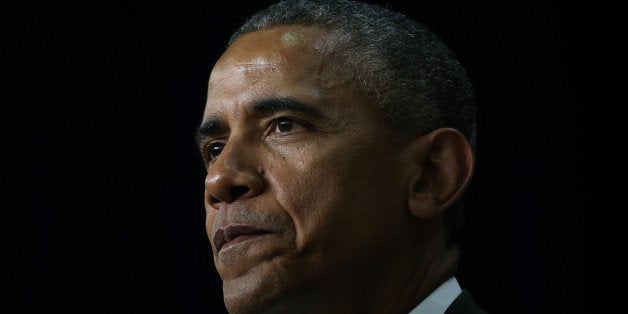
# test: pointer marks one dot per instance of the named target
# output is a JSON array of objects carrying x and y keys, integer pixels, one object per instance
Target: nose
[{"x": 233, "y": 175}]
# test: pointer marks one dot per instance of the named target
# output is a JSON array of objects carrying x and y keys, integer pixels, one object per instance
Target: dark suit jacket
[{"x": 464, "y": 304}]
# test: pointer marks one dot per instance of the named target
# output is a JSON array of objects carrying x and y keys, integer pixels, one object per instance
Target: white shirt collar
[{"x": 439, "y": 300}]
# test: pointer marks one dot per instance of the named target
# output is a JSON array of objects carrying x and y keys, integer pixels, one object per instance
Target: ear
[{"x": 444, "y": 165}]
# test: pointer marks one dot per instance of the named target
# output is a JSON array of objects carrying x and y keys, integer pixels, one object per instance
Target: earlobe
[{"x": 445, "y": 167}]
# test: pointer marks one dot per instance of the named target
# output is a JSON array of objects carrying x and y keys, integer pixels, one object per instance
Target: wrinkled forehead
[
  {"x": 278, "y": 48},
  {"x": 285, "y": 61}
]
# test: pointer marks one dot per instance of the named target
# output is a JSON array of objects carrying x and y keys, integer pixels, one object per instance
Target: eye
[
  {"x": 283, "y": 125},
  {"x": 214, "y": 149}
]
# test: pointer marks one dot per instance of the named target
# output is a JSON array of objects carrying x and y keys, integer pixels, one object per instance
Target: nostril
[
  {"x": 214, "y": 200},
  {"x": 237, "y": 191}
]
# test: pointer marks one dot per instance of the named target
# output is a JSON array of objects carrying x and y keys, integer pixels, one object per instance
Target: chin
[{"x": 257, "y": 291}]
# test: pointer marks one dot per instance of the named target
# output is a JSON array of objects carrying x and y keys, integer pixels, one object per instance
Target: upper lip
[{"x": 224, "y": 235}]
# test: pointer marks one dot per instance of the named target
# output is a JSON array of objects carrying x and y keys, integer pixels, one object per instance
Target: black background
[{"x": 100, "y": 100}]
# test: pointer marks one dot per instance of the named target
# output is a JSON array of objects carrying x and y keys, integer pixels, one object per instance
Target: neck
[
  {"x": 430, "y": 264},
  {"x": 402, "y": 278},
  {"x": 405, "y": 276}
]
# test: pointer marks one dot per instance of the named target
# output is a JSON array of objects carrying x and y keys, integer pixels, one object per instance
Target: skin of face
[{"x": 305, "y": 196}]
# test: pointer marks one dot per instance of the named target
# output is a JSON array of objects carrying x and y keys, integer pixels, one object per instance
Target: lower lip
[{"x": 239, "y": 240}]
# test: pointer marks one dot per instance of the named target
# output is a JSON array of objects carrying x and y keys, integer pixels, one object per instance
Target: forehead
[
  {"x": 287, "y": 62},
  {"x": 289, "y": 49}
]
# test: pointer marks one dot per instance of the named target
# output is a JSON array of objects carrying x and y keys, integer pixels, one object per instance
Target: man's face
[{"x": 303, "y": 194}]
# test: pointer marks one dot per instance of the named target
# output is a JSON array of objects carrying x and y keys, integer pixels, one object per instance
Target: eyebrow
[
  {"x": 209, "y": 128},
  {"x": 276, "y": 105},
  {"x": 213, "y": 125}
]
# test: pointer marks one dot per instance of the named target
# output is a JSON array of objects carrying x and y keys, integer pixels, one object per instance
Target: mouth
[{"x": 233, "y": 234}]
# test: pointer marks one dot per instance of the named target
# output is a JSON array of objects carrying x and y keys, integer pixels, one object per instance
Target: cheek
[
  {"x": 210, "y": 217},
  {"x": 317, "y": 192},
  {"x": 346, "y": 194}
]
